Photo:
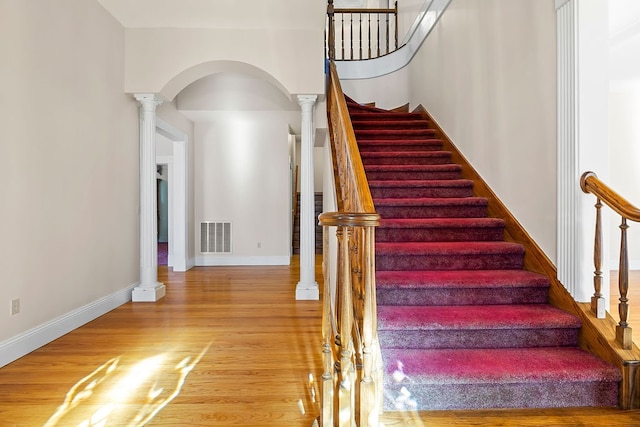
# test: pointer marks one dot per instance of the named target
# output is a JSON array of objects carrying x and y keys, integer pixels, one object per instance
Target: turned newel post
[
  {"x": 149, "y": 288},
  {"x": 331, "y": 37}
]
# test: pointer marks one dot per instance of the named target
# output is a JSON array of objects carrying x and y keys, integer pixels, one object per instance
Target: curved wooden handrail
[
  {"x": 590, "y": 183},
  {"x": 348, "y": 219}
]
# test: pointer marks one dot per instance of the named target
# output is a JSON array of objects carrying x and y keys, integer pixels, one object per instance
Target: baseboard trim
[
  {"x": 20, "y": 345},
  {"x": 211, "y": 261}
]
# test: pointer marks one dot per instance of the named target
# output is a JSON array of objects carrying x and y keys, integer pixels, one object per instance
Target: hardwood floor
[
  {"x": 227, "y": 346},
  {"x": 634, "y": 300}
]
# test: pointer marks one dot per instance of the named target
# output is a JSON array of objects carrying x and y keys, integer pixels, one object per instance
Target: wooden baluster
[
  {"x": 346, "y": 397},
  {"x": 326, "y": 415},
  {"x": 342, "y": 33},
  {"x": 387, "y": 35},
  {"x": 360, "y": 35},
  {"x": 396, "y": 29},
  {"x": 597, "y": 300},
  {"x": 332, "y": 39},
  {"x": 623, "y": 331},
  {"x": 369, "y": 34},
  {"x": 369, "y": 410},
  {"x": 351, "y": 34},
  {"x": 378, "y": 34}
]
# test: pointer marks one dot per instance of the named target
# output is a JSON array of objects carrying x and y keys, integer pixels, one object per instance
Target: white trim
[
  {"x": 582, "y": 94},
  {"x": 216, "y": 261},
  {"x": 20, "y": 345},
  {"x": 179, "y": 195},
  {"x": 560, "y": 3},
  {"x": 168, "y": 161}
]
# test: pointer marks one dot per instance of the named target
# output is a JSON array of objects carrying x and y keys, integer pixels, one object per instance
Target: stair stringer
[{"x": 596, "y": 336}]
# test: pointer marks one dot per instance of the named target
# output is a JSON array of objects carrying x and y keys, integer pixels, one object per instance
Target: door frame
[{"x": 178, "y": 195}]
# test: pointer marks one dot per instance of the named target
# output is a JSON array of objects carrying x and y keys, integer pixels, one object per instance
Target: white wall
[
  {"x": 70, "y": 226},
  {"x": 487, "y": 73},
  {"x": 368, "y": 90},
  {"x": 624, "y": 152},
  {"x": 242, "y": 175}
]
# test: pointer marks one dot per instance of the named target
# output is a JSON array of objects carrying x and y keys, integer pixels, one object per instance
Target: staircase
[
  {"x": 318, "y": 228},
  {"x": 461, "y": 324}
]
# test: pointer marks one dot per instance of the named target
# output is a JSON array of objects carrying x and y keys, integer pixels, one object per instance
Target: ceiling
[{"x": 274, "y": 14}]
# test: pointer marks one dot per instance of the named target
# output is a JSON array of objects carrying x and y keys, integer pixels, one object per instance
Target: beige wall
[
  {"x": 165, "y": 61},
  {"x": 242, "y": 176},
  {"x": 487, "y": 73},
  {"x": 70, "y": 162}
]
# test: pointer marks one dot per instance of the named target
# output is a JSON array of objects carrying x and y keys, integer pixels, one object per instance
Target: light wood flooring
[
  {"x": 634, "y": 301},
  {"x": 227, "y": 346}
]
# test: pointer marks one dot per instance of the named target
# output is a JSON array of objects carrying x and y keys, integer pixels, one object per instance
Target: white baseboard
[
  {"x": 16, "y": 347},
  {"x": 209, "y": 261}
]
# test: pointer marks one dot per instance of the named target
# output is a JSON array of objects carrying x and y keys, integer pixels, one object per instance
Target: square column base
[
  {"x": 305, "y": 291},
  {"x": 148, "y": 293}
]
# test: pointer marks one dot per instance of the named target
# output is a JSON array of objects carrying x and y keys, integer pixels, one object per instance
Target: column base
[
  {"x": 307, "y": 291},
  {"x": 148, "y": 293}
]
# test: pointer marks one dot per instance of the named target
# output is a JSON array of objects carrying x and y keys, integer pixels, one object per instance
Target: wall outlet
[
  {"x": 259, "y": 245},
  {"x": 15, "y": 306}
]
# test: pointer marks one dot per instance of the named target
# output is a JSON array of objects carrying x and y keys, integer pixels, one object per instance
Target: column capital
[
  {"x": 307, "y": 100},
  {"x": 148, "y": 100}
]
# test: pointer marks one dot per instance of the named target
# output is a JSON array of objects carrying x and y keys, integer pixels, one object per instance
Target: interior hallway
[{"x": 227, "y": 346}]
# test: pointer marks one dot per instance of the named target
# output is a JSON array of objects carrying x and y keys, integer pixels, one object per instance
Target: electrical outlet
[
  {"x": 259, "y": 245},
  {"x": 15, "y": 306}
]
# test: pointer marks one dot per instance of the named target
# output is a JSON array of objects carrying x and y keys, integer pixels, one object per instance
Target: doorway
[{"x": 171, "y": 153}]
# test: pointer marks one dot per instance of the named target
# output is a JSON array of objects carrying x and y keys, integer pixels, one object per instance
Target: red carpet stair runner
[{"x": 461, "y": 324}]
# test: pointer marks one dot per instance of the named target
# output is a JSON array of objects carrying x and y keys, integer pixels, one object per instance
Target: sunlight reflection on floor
[{"x": 132, "y": 395}]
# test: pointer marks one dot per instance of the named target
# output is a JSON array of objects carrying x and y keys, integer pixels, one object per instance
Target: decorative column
[
  {"x": 149, "y": 289},
  {"x": 582, "y": 102},
  {"x": 307, "y": 287}
]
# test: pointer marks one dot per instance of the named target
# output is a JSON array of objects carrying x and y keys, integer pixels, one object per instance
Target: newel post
[{"x": 331, "y": 37}]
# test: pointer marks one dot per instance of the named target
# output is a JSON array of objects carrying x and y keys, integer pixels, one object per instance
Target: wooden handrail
[
  {"x": 352, "y": 366},
  {"x": 590, "y": 183},
  {"x": 372, "y": 17},
  {"x": 354, "y": 191}
]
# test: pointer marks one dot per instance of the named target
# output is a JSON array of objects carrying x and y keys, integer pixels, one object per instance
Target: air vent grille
[{"x": 215, "y": 237}]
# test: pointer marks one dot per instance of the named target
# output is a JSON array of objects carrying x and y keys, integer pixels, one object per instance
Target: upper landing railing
[
  {"x": 590, "y": 183},
  {"x": 356, "y": 34},
  {"x": 368, "y": 43}
]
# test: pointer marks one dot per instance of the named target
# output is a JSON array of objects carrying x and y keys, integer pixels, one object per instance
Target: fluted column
[
  {"x": 307, "y": 288},
  {"x": 149, "y": 289}
]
